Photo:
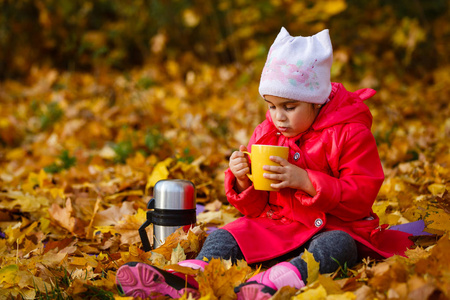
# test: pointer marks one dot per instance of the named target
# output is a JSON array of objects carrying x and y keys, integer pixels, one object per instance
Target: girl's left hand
[{"x": 289, "y": 175}]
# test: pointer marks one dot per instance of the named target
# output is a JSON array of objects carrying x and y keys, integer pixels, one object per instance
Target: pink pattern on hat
[{"x": 295, "y": 74}]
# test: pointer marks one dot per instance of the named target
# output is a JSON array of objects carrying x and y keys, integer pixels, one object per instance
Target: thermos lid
[{"x": 174, "y": 194}]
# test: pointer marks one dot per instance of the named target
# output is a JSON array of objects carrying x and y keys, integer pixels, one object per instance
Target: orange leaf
[{"x": 64, "y": 217}]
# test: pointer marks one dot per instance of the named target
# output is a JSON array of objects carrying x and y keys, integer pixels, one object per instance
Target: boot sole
[{"x": 142, "y": 280}]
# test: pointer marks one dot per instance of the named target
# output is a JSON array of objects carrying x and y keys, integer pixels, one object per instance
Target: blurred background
[{"x": 379, "y": 39}]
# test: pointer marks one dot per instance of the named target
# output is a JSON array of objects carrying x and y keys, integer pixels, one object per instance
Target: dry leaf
[
  {"x": 210, "y": 217},
  {"x": 312, "y": 265},
  {"x": 318, "y": 293},
  {"x": 218, "y": 280},
  {"x": 128, "y": 227},
  {"x": 64, "y": 217},
  {"x": 177, "y": 255}
]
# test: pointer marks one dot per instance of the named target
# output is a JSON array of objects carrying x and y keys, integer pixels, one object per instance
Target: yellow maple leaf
[
  {"x": 438, "y": 221},
  {"x": 437, "y": 188},
  {"x": 34, "y": 180},
  {"x": 416, "y": 254},
  {"x": 26, "y": 202},
  {"x": 312, "y": 265},
  {"x": 318, "y": 293},
  {"x": 220, "y": 278},
  {"x": 17, "y": 232},
  {"x": 57, "y": 192},
  {"x": 331, "y": 286},
  {"x": 344, "y": 296},
  {"x": 9, "y": 274},
  {"x": 160, "y": 172}
]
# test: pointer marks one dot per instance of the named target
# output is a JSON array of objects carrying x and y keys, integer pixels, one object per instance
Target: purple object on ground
[
  {"x": 414, "y": 228},
  {"x": 200, "y": 209}
]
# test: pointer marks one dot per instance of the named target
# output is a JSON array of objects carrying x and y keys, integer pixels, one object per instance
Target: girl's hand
[
  {"x": 240, "y": 168},
  {"x": 289, "y": 175}
]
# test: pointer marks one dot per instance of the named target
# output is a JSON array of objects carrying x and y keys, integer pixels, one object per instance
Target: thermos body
[{"x": 173, "y": 205}]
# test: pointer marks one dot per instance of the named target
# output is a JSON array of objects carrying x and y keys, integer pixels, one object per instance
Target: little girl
[{"x": 325, "y": 189}]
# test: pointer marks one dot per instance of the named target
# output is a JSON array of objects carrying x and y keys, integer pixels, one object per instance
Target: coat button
[
  {"x": 296, "y": 156},
  {"x": 318, "y": 222}
]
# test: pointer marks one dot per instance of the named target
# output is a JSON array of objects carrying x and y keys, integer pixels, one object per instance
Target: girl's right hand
[{"x": 239, "y": 166}]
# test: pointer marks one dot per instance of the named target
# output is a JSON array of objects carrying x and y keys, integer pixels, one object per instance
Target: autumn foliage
[{"x": 101, "y": 99}]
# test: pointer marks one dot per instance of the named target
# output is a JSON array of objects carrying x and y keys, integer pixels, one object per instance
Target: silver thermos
[{"x": 172, "y": 206}]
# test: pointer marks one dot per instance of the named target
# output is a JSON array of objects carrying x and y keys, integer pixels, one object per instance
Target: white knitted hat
[{"x": 298, "y": 68}]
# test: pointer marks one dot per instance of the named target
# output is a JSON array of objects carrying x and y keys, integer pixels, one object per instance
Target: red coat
[{"x": 340, "y": 155}]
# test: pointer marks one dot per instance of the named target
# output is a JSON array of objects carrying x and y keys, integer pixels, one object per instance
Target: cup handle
[{"x": 250, "y": 176}]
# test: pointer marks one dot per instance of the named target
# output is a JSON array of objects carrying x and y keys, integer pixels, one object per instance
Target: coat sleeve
[
  {"x": 250, "y": 202},
  {"x": 350, "y": 196}
]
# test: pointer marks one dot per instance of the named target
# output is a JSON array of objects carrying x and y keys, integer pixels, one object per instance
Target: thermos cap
[{"x": 174, "y": 194}]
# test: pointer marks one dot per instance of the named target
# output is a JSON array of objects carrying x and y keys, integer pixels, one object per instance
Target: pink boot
[
  {"x": 193, "y": 264},
  {"x": 263, "y": 285},
  {"x": 143, "y": 280}
]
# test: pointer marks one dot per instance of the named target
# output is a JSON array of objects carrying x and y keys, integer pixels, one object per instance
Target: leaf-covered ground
[{"x": 80, "y": 152}]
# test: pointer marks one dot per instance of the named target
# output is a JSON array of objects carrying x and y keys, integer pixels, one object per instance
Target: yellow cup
[{"x": 260, "y": 157}]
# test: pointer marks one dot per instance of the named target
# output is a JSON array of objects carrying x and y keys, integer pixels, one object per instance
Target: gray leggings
[{"x": 327, "y": 248}]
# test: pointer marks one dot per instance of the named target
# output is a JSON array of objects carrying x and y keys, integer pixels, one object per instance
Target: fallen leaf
[
  {"x": 64, "y": 217},
  {"x": 128, "y": 227},
  {"x": 331, "y": 286},
  {"x": 437, "y": 189},
  {"x": 437, "y": 222},
  {"x": 219, "y": 281},
  {"x": 344, "y": 296},
  {"x": 318, "y": 293},
  {"x": 312, "y": 266},
  {"x": 160, "y": 172},
  {"x": 213, "y": 206},
  {"x": 8, "y": 274},
  {"x": 177, "y": 255},
  {"x": 210, "y": 217}
]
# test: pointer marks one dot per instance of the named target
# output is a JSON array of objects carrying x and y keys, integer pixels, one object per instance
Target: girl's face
[{"x": 291, "y": 117}]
